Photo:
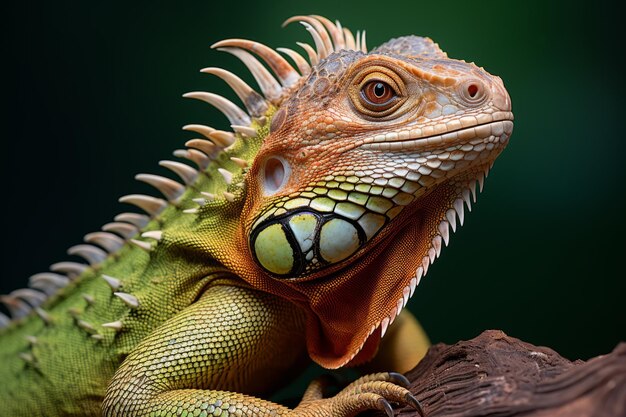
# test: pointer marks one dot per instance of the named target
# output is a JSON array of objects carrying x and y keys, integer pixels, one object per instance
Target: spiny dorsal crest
[{"x": 129, "y": 228}]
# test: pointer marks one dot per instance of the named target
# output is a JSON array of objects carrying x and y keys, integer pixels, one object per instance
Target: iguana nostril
[
  {"x": 472, "y": 90},
  {"x": 276, "y": 172}
]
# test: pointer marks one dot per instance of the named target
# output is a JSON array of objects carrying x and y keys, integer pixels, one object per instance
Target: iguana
[{"x": 301, "y": 235}]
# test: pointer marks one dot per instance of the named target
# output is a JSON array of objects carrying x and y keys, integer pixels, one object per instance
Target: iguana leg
[{"x": 232, "y": 339}]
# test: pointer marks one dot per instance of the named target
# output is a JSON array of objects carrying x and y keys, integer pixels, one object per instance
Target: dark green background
[{"x": 92, "y": 95}]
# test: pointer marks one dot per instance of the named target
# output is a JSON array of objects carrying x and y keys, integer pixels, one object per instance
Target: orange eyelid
[{"x": 374, "y": 76}]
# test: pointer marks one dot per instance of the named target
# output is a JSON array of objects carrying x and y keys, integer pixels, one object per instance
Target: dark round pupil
[{"x": 379, "y": 89}]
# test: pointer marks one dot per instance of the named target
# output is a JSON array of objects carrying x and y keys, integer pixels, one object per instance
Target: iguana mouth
[{"x": 501, "y": 124}]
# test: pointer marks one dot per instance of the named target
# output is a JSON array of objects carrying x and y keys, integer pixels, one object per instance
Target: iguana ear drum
[{"x": 299, "y": 242}]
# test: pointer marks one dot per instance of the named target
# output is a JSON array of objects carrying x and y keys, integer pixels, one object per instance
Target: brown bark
[{"x": 497, "y": 375}]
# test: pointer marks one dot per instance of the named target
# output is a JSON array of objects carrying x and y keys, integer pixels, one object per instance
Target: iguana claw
[
  {"x": 371, "y": 392},
  {"x": 399, "y": 379},
  {"x": 386, "y": 407},
  {"x": 414, "y": 402}
]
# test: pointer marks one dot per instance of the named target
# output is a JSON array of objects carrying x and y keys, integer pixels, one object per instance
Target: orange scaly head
[{"x": 369, "y": 161}]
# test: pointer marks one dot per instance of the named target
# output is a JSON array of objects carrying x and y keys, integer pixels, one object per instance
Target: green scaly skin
[
  {"x": 165, "y": 281},
  {"x": 219, "y": 304}
]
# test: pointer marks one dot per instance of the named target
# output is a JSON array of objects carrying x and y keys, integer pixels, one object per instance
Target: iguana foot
[{"x": 370, "y": 392}]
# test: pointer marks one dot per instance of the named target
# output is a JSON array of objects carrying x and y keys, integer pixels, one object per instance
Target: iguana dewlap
[{"x": 301, "y": 234}]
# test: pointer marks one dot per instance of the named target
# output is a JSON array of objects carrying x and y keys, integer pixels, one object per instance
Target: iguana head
[{"x": 369, "y": 160}]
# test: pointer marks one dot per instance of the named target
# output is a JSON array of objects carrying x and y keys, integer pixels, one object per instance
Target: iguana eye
[{"x": 378, "y": 93}]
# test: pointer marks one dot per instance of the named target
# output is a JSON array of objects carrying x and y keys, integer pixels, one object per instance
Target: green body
[{"x": 66, "y": 371}]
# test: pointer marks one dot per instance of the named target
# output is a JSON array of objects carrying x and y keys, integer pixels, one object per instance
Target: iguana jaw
[{"x": 415, "y": 139}]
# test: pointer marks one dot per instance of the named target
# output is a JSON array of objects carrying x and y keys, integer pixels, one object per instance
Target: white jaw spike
[
  {"x": 270, "y": 88},
  {"x": 185, "y": 172},
  {"x": 253, "y": 101},
  {"x": 303, "y": 66},
  {"x": 222, "y": 138},
  {"x": 139, "y": 220},
  {"x": 191, "y": 211},
  {"x": 481, "y": 183},
  {"x": 151, "y": 205},
  {"x": 108, "y": 241},
  {"x": 283, "y": 70},
  {"x": 168, "y": 187},
  {"x": 126, "y": 230},
  {"x": 142, "y": 245},
  {"x": 114, "y": 283},
  {"x": 334, "y": 30},
  {"x": 128, "y": 299},
  {"x": 244, "y": 130},
  {"x": 350, "y": 44},
  {"x": 90, "y": 253},
  {"x": 230, "y": 197},
  {"x": 204, "y": 145},
  {"x": 319, "y": 43},
  {"x": 358, "y": 40},
  {"x": 242, "y": 163},
  {"x": 419, "y": 273},
  {"x": 195, "y": 156},
  {"x": 444, "y": 231},
  {"x": 228, "y": 176},
  {"x": 437, "y": 245},
  {"x": 432, "y": 255},
  {"x": 320, "y": 33},
  {"x": 451, "y": 216},
  {"x": 201, "y": 129},
  {"x": 412, "y": 286},
  {"x": 383, "y": 326},
  {"x": 153, "y": 234},
  {"x": 458, "y": 207},
  {"x": 402, "y": 301},
  {"x": 71, "y": 269},
  {"x": 310, "y": 52},
  {"x": 473, "y": 189},
  {"x": 232, "y": 112},
  {"x": 425, "y": 264},
  {"x": 48, "y": 282},
  {"x": 467, "y": 199}
]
